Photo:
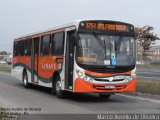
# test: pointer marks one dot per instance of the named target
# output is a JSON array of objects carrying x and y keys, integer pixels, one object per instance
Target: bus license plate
[{"x": 110, "y": 86}]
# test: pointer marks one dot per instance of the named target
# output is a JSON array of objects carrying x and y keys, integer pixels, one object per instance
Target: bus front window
[{"x": 105, "y": 50}]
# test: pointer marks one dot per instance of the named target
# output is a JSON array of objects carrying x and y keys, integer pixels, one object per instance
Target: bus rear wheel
[
  {"x": 25, "y": 80},
  {"x": 58, "y": 91},
  {"x": 104, "y": 96}
]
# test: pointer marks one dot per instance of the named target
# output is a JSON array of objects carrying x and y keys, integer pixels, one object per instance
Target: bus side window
[
  {"x": 15, "y": 48},
  {"x": 58, "y": 43},
  {"x": 21, "y": 48},
  {"x": 28, "y": 47},
  {"x": 45, "y": 45}
]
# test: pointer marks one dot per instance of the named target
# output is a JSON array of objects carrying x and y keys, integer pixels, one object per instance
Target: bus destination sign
[{"x": 105, "y": 26}]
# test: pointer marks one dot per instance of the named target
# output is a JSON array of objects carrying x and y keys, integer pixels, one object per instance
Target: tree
[
  {"x": 145, "y": 37},
  {"x": 3, "y": 53}
]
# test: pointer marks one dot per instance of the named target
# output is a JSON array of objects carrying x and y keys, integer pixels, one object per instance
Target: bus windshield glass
[{"x": 106, "y": 50}]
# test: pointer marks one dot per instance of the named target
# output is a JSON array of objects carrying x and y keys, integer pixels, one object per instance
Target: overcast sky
[{"x": 19, "y": 17}]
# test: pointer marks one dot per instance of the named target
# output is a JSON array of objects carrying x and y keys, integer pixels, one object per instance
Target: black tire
[
  {"x": 57, "y": 88},
  {"x": 25, "y": 80},
  {"x": 104, "y": 96},
  {"x": 53, "y": 91}
]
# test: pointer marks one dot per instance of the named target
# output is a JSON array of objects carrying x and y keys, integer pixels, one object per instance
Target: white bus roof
[
  {"x": 74, "y": 23},
  {"x": 71, "y": 24}
]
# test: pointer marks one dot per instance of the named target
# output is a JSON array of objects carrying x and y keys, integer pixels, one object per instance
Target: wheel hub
[
  {"x": 58, "y": 86},
  {"x": 25, "y": 81}
]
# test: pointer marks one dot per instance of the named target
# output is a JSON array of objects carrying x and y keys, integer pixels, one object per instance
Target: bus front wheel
[
  {"x": 58, "y": 91},
  {"x": 104, "y": 96},
  {"x": 25, "y": 80}
]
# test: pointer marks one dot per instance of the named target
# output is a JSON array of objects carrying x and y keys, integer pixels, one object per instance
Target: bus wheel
[
  {"x": 104, "y": 96},
  {"x": 25, "y": 80},
  {"x": 59, "y": 93}
]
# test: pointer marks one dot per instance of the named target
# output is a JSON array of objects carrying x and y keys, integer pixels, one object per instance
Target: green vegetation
[
  {"x": 6, "y": 68},
  {"x": 145, "y": 37},
  {"x": 148, "y": 86}
]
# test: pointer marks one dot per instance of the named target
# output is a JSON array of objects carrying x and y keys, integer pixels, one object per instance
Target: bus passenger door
[
  {"x": 35, "y": 54},
  {"x": 69, "y": 60}
]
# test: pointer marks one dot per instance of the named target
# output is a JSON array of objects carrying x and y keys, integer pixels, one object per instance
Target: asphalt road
[
  {"x": 38, "y": 100},
  {"x": 152, "y": 75}
]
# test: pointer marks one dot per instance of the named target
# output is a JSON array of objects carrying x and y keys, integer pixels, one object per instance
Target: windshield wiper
[
  {"x": 99, "y": 40},
  {"x": 103, "y": 45}
]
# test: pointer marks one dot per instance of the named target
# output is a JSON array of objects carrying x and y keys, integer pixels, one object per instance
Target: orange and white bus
[{"x": 97, "y": 56}]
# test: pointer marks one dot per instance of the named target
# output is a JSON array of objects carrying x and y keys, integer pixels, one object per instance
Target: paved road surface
[
  {"x": 151, "y": 75},
  {"x": 14, "y": 95}
]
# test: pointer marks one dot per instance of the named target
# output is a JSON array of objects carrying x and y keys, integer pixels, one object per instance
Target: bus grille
[
  {"x": 107, "y": 80},
  {"x": 103, "y": 87}
]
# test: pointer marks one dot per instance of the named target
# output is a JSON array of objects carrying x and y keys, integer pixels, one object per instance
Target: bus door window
[{"x": 69, "y": 60}]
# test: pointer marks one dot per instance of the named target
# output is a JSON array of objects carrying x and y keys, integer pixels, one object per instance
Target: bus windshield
[{"x": 106, "y": 50}]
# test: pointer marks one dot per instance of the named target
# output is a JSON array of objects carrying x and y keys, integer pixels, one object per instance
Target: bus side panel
[
  {"x": 17, "y": 72},
  {"x": 19, "y": 64},
  {"x": 46, "y": 67},
  {"x": 45, "y": 71}
]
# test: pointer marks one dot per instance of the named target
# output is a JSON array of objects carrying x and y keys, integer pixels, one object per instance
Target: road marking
[{"x": 140, "y": 98}]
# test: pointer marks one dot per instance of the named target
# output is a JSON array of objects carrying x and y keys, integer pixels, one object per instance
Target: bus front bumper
[{"x": 84, "y": 86}]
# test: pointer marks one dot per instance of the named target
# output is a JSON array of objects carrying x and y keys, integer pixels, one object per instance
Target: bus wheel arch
[
  {"x": 55, "y": 74},
  {"x": 56, "y": 85}
]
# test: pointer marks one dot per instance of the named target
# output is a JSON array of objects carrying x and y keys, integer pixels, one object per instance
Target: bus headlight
[
  {"x": 128, "y": 78},
  {"x": 133, "y": 75},
  {"x": 79, "y": 73},
  {"x": 83, "y": 76}
]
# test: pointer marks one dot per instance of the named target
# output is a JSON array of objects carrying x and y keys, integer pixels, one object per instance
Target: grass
[
  {"x": 148, "y": 86},
  {"x": 5, "y": 68}
]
